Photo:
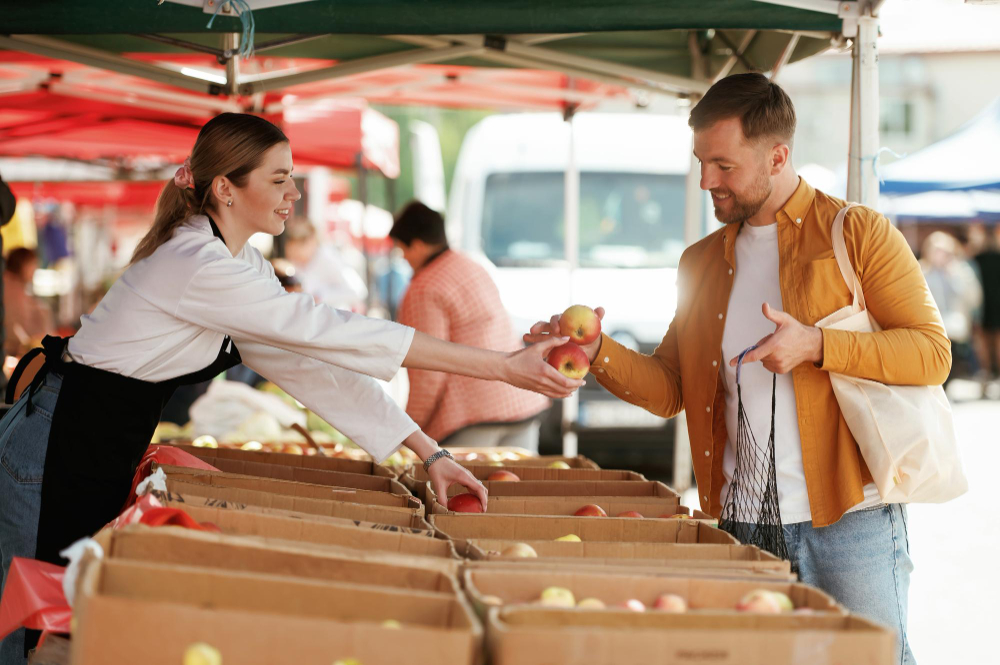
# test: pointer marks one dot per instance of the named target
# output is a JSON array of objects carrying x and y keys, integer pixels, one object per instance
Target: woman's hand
[
  {"x": 545, "y": 330},
  {"x": 527, "y": 369},
  {"x": 445, "y": 472}
]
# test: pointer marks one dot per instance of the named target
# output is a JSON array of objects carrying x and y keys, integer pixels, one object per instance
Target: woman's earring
[{"x": 229, "y": 203}]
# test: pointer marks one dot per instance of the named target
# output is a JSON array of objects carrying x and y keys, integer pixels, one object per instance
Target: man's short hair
[
  {"x": 418, "y": 222},
  {"x": 763, "y": 108},
  {"x": 18, "y": 258},
  {"x": 299, "y": 228}
]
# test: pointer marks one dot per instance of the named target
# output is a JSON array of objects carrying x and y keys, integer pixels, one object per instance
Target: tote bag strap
[{"x": 843, "y": 261}]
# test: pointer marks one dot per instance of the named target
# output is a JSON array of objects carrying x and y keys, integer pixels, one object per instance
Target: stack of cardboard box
[{"x": 323, "y": 560}]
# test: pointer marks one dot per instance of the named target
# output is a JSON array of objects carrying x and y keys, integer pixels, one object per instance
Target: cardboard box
[
  {"x": 648, "y": 506},
  {"x": 364, "y": 537},
  {"x": 723, "y": 560},
  {"x": 131, "y": 611},
  {"x": 644, "y": 489},
  {"x": 282, "y": 474},
  {"x": 241, "y": 553},
  {"x": 589, "y": 529},
  {"x": 530, "y": 636},
  {"x": 415, "y": 477},
  {"x": 301, "y": 461},
  {"x": 525, "y": 586},
  {"x": 238, "y": 499}
]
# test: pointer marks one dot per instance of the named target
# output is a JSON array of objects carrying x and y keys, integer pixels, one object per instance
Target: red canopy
[
  {"x": 123, "y": 194},
  {"x": 58, "y": 109}
]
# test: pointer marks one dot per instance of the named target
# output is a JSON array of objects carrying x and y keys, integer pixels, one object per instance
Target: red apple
[
  {"x": 581, "y": 324},
  {"x": 670, "y": 602},
  {"x": 504, "y": 476},
  {"x": 465, "y": 503},
  {"x": 633, "y": 604},
  {"x": 570, "y": 359},
  {"x": 591, "y": 510},
  {"x": 630, "y": 513}
]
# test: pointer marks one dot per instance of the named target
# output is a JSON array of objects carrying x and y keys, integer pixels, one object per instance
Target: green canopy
[{"x": 676, "y": 46}]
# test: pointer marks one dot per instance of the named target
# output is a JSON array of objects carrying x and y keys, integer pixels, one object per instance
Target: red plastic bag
[
  {"x": 163, "y": 455},
  {"x": 133, "y": 514},
  {"x": 164, "y": 516},
  {"x": 33, "y": 597}
]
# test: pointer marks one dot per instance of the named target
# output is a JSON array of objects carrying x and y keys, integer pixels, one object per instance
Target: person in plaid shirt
[{"x": 453, "y": 298}]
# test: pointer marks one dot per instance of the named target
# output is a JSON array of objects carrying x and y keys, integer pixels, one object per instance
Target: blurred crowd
[{"x": 964, "y": 278}]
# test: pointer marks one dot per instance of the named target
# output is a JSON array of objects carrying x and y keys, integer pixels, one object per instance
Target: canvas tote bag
[{"x": 906, "y": 433}]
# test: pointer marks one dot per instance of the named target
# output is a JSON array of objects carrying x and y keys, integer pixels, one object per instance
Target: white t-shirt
[
  {"x": 756, "y": 281},
  {"x": 169, "y": 313}
]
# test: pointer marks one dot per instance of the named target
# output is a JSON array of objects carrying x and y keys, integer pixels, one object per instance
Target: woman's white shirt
[{"x": 168, "y": 315}]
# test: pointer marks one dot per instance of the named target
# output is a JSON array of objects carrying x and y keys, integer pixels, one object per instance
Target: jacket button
[
  {"x": 720, "y": 316},
  {"x": 798, "y": 220},
  {"x": 708, "y": 454},
  {"x": 708, "y": 409},
  {"x": 730, "y": 271},
  {"x": 704, "y": 498},
  {"x": 715, "y": 363}
]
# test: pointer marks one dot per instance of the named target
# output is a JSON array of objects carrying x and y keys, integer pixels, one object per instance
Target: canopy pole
[
  {"x": 571, "y": 239},
  {"x": 231, "y": 45},
  {"x": 862, "y": 181}
]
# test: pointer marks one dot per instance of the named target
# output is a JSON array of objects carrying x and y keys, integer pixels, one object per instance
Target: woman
[{"x": 196, "y": 300}]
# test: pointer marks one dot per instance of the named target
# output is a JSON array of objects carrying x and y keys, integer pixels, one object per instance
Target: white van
[{"x": 506, "y": 209}]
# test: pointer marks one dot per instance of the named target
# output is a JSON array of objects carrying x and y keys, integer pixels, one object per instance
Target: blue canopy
[{"x": 968, "y": 159}]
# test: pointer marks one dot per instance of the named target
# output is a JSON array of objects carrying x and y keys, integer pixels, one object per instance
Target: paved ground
[{"x": 955, "y": 550}]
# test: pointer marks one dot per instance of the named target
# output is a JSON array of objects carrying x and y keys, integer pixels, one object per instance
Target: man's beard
[{"x": 744, "y": 206}]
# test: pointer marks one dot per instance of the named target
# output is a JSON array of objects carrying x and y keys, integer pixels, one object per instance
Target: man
[
  {"x": 453, "y": 298},
  {"x": 322, "y": 271},
  {"x": 765, "y": 278},
  {"x": 27, "y": 319}
]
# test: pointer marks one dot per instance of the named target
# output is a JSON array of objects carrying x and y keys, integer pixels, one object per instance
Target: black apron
[{"x": 101, "y": 427}]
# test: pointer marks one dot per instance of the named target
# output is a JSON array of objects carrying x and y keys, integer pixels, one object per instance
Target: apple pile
[
  {"x": 582, "y": 325},
  {"x": 560, "y": 597}
]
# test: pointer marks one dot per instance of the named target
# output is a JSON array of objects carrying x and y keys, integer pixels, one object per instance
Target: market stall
[{"x": 540, "y": 585}]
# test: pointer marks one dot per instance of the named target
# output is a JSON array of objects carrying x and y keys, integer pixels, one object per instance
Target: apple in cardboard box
[
  {"x": 503, "y": 476},
  {"x": 559, "y": 464},
  {"x": 590, "y": 510},
  {"x": 762, "y": 601},
  {"x": 570, "y": 360},
  {"x": 633, "y": 604},
  {"x": 591, "y": 604},
  {"x": 556, "y": 596},
  {"x": 670, "y": 602},
  {"x": 465, "y": 503},
  {"x": 523, "y": 550},
  {"x": 569, "y": 538},
  {"x": 581, "y": 324},
  {"x": 201, "y": 653},
  {"x": 676, "y": 516}
]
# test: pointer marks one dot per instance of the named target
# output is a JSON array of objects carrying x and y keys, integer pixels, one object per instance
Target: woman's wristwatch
[{"x": 435, "y": 457}]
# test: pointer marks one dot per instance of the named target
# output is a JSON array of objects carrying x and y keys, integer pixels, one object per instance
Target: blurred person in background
[
  {"x": 321, "y": 269},
  {"x": 27, "y": 318},
  {"x": 453, "y": 298},
  {"x": 987, "y": 261},
  {"x": 957, "y": 292},
  {"x": 7, "y": 205}
]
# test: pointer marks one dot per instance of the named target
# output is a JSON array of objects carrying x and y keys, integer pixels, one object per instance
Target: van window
[{"x": 627, "y": 220}]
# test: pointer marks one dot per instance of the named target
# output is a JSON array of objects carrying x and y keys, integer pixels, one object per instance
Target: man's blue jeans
[
  {"x": 863, "y": 561},
  {"x": 24, "y": 439}
]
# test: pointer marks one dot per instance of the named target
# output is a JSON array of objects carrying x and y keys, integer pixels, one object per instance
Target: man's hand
[
  {"x": 790, "y": 345},
  {"x": 546, "y": 330}
]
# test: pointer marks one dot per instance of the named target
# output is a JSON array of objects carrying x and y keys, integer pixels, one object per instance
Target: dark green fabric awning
[{"x": 417, "y": 17}]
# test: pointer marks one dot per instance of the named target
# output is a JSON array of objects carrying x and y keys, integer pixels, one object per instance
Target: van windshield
[{"x": 627, "y": 220}]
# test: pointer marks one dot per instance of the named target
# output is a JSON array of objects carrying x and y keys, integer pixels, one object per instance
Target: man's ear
[{"x": 781, "y": 155}]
